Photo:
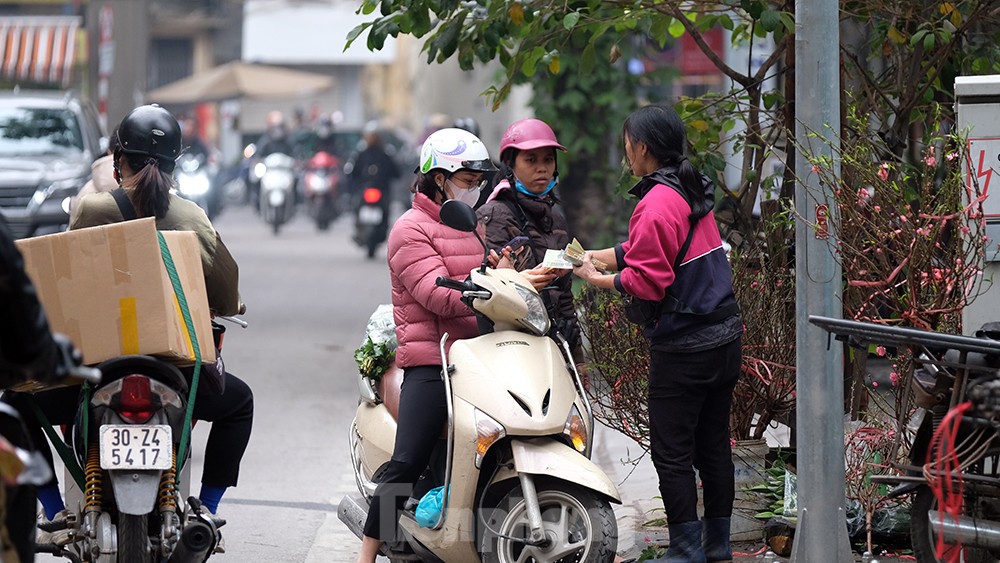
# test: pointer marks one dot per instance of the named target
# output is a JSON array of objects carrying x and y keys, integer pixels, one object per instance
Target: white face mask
[{"x": 469, "y": 197}]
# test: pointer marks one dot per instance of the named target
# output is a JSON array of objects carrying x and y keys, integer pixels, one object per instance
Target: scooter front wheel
[{"x": 578, "y": 524}]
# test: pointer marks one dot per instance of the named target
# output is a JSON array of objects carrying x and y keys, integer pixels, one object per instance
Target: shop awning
[{"x": 38, "y": 49}]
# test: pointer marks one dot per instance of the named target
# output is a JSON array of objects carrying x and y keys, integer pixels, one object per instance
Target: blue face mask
[{"x": 520, "y": 187}]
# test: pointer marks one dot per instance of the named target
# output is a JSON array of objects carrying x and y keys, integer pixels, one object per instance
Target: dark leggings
[
  {"x": 231, "y": 415},
  {"x": 423, "y": 412},
  {"x": 690, "y": 395}
]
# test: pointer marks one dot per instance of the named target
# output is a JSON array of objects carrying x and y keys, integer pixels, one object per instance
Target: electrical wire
[{"x": 943, "y": 472}]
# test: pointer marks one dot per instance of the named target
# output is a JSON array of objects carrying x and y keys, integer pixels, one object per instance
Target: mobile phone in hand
[{"x": 515, "y": 243}]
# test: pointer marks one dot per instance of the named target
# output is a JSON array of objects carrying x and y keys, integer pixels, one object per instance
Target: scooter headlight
[
  {"x": 277, "y": 180},
  {"x": 193, "y": 184},
  {"x": 317, "y": 183},
  {"x": 258, "y": 170},
  {"x": 488, "y": 432},
  {"x": 576, "y": 430},
  {"x": 537, "y": 319}
]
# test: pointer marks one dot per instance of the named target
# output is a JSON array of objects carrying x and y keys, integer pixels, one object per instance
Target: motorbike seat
[
  {"x": 121, "y": 366},
  {"x": 389, "y": 387}
]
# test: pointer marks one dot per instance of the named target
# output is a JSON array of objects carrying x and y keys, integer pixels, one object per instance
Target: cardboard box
[{"x": 108, "y": 290}]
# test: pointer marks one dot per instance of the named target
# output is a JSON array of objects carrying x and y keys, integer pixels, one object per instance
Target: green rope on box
[
  {"x": 69, "y": 460},
  {"x": 175, "y": 280}
]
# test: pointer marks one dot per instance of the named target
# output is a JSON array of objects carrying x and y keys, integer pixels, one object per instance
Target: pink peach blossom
[
  {"x": 883, "y": 172},
  {"x": 930, "y": 159}
]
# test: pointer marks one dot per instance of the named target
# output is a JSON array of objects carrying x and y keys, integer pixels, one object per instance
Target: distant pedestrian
[{"x": 674, "y": 272}]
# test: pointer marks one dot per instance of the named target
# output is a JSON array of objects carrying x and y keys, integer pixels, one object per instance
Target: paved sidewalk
[{"x": 638, "y": 486}]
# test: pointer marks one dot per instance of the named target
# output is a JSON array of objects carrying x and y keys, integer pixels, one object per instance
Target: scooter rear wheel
[
  {"x": 580, "y": 526},
  {"x": 133, "y": 539},
  {"x": 923, "y": 534}
]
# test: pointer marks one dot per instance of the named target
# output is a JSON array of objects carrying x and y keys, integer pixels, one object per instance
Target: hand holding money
[{"x": 576, "y": 255}]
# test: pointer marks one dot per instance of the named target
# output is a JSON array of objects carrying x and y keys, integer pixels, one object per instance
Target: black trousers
[
  {"x": 690, "y": 396},
  {"x": 230, "y": 413},
  {"x": 423, "y": 412}
]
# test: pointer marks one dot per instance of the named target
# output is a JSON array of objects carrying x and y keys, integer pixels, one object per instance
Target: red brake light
[
  {"x": 135, "y": 403},
  {"x": 372, "y": 195}
]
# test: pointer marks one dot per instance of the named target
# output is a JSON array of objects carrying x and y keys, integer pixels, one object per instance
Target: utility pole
[{"x": 821, "y": 533}]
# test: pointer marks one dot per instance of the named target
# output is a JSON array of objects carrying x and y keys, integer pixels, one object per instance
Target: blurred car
[{"x": 48, "y": 140}]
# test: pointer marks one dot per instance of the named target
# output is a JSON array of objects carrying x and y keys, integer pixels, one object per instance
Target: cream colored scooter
[{"x": 521, "y": 485}]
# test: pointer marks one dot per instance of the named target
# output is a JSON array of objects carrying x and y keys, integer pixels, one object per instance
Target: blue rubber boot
[
  {"x": 685, "y": 544},
  {"x": 717, "y": 540}
]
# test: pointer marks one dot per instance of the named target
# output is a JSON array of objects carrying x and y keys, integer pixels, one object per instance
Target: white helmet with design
[{"x": 451, "y": 150}]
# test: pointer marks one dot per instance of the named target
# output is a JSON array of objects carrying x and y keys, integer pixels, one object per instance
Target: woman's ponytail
[
  {"x": 694, "y": 189},
  {"x": 151, "y": 185}
]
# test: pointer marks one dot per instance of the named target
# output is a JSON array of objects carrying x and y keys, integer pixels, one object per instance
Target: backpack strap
[
  {"x": 671, "y": 304},
  {"x": 124, "y": 204},
  {"x": 684, "y": 247}
]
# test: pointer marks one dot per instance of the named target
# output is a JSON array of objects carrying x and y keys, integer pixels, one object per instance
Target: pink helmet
[{"x": 528, "y": 134}]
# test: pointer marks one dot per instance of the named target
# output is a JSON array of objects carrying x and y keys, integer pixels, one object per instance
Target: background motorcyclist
[
  {"x": 302, "y": 136},
  {"x": 326, "y": 140},
  {"x": 144, "y": 163},
  {"x": 275, "y": 138},
  {"x": 191, "y": 142},
  {"x": 372, "y": 167}
]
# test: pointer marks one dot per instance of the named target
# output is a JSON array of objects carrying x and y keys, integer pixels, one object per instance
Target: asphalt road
[{"x": 309, "y": 295}]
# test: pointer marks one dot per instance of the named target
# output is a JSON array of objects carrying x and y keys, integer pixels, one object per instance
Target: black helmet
[
  {"x": 150, "y": 130},
  {"x": 469, "y": 124}
]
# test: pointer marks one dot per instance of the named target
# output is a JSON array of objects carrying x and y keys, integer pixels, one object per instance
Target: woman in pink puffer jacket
[{"x": 420, "y": 249}]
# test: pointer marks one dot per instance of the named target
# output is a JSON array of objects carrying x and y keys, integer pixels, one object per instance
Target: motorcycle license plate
[
  {"x": 135, "y": 446},
  {"x": 370, "y": 215}
]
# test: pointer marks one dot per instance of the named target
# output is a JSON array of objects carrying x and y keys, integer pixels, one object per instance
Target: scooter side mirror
[{"x": 459, "y": 216}]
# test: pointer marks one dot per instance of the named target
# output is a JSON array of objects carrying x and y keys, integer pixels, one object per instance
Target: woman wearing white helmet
[{"x": 421, "y": 248}]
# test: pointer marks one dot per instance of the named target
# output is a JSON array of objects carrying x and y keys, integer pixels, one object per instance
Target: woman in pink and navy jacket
[{"x": 674, "y": 263}]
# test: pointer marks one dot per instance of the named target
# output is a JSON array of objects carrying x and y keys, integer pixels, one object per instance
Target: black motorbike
[
  {"x": 22, "y": 466},
  {"x": 948, "y": 448},
  {"x": 371, "y": 219}
]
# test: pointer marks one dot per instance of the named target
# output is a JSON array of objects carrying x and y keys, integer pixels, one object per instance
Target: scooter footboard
[{"x": 549, "y": 457}]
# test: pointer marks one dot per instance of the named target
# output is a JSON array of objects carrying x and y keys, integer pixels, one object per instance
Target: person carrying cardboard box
[{"x": 146, "y": 145}]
